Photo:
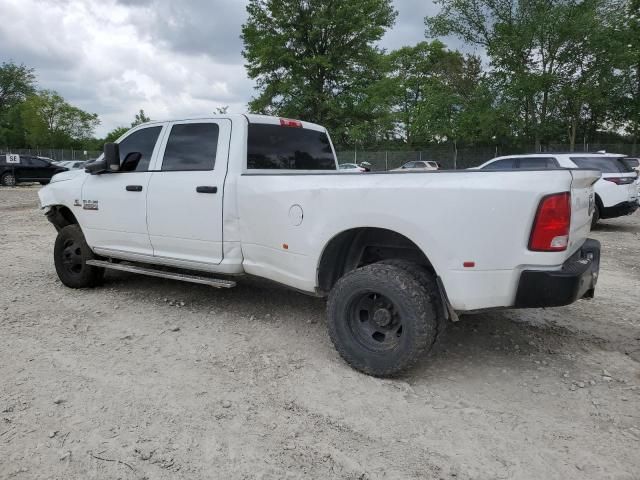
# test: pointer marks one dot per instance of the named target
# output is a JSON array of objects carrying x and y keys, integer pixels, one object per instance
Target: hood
[{"x": 68, "y": 175}]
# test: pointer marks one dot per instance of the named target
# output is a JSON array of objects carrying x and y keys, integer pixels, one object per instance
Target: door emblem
[{"x": 90, "y": 205}]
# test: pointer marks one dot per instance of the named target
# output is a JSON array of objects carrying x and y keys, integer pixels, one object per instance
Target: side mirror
[
  {"x": 110, "y": 161},
  {"x": 112, "y": 156}
]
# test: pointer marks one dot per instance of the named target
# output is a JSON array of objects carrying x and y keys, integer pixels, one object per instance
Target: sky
[{"x": 172, "y": 58}]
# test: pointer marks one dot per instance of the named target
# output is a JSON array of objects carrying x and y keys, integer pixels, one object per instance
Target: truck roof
[{"x": 249, "y": 117}]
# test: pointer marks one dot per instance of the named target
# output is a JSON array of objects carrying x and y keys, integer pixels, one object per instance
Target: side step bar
[{"x": 213, "y": 282}]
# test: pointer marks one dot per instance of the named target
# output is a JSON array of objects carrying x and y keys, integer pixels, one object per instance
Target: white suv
[
  {"x": 616, "y": 191},
  {"x": 418, "y": 166}
]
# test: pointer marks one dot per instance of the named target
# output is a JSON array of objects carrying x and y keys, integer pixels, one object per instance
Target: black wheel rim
[
  {"x": 72, "y": 257},
  {"x": 9, "y": 180},
  {"x": 375, "y": 322}
]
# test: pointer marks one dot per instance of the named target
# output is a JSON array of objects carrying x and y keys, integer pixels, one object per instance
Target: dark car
[{"x": 26, "y": 168}]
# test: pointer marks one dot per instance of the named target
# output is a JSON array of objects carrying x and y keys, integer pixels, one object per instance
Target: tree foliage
[
  {"x": 551, "y": 60},
  {"x": 16, "y": 83},
  {"x": 313, "y": 59},
  {"x": 140, "y": 118},
  {"x": 50, "y": 121}
]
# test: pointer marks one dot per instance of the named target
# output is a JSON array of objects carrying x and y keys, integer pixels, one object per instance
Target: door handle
[
  {"x": 134, "y": 188},
  {"x": 206, "y": 189}
]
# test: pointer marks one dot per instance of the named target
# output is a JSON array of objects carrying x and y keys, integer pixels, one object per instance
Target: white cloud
[{"x": 171, "y": 58}]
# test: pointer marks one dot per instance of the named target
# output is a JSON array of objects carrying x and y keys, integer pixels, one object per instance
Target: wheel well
[
  {"x": 60, "y": 216},
  {"x": 599, "y": 202},
  {"x": 357, "y": 247}
]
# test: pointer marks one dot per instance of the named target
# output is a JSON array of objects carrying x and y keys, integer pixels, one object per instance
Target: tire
[
  {"x": 380, "y": 319},
  {"x": 596, "y": 216},
  {"x": 430, "y": 285},
  {"x": 8, "y": 180},
  {"x": 70, "y": 255}
]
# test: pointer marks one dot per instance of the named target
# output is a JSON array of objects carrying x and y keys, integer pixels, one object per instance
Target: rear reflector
[
  {"x": 550, "y": 232},
  {"x": 620, "y": 180},
  {"x": 287, "y": 122}
]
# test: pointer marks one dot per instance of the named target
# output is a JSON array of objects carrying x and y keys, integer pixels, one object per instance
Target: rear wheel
[
  {"x": 429, "y": 283},
  {"x": 8, "y": 180},
  {"x": 380, "y": 319},
  {"x": 70, "y": 254}
]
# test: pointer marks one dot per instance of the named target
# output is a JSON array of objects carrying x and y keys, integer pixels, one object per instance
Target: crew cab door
[
  {"x": 185, "y": 199},
  {"x": 113, "y": 207}
]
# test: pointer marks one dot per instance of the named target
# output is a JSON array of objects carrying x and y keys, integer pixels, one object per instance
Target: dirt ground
[{"x": 154, "y": 379}]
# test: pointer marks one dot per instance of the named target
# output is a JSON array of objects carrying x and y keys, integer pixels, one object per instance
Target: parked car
[
  {"x": 26, "y": 168},
  {"x": 616, "y": 194},
  {"x": 75, "y": 164},
  {"x": 351, "y": 167},
  {"x": 633, "y": 163},
  {"x": 263, "y": 196},
  {"x": 418, "y": 166}
]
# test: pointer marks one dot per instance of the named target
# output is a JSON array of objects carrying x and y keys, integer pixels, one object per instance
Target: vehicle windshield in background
[
  {"x": 604, "y": 164},
  {"x": 288, "y": 148}
]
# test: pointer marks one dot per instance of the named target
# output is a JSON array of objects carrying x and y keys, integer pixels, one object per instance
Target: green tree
[
  {"x": 433, "y": 94},
  {"x": 16, "y": 83},
  {"x": 50, "y": 121},
  {"x": 544, "y": 56},
  {"x": 116, "y": 133},
  {"x": 314, "y": 59},
  {"x": 623, "y": 19},
  {"x": 140, "y": 118}
]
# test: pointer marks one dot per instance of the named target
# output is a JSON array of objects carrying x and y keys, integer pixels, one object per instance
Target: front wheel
[
  {"x": 381, "y": 319},
  {"x": 8, "y": 180},
  {"x": 70, "y": 255}
]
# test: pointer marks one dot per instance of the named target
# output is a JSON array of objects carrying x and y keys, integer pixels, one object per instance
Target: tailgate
[{"x": 582, "y": 204}]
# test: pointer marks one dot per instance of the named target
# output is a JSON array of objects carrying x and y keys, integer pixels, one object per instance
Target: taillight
[
  {"x": 620, "y": 180},
  {"x": 287, "y": 122},
  {"x": 551, "y": 226}
]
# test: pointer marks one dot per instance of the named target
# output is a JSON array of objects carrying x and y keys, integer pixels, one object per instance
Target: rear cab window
[
  {"x": 604, "y": 164},
  {"x": 278, "y": 147}
]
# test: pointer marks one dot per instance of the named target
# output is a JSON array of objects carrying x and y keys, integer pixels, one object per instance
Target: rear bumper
[
  {"x": 575, "y": 280},
  {"x": 619, "y": 210}
]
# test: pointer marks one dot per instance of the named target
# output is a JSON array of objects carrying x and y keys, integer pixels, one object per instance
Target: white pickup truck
[{"x": 397, "y": 254}]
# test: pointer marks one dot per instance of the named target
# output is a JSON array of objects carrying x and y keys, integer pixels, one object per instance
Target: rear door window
[
  {"x": 191, "y": 146},
  {"x": 505, "y": 164},
  {"x": 274, "y": 147},
  {"x": 604, "y": 164}
]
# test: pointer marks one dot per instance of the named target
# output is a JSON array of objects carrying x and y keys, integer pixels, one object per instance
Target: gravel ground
[{"x": 153, "y": 379}]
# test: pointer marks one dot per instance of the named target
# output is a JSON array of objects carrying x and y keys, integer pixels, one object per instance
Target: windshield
[{"x": 604, "y": 164}]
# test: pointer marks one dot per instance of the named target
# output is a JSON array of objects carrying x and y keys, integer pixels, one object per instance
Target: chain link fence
[
  {"x": 55, "y": 154},
  {"x": 447, "y": 155},
  {"x": 450, "y": 157}
]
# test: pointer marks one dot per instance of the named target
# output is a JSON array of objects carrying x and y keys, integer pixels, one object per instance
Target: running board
[{"x": 213, "y": 282}]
